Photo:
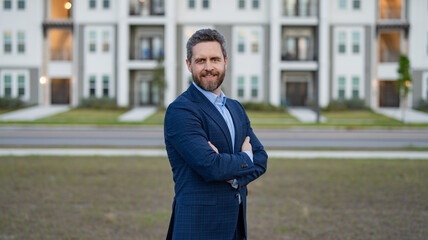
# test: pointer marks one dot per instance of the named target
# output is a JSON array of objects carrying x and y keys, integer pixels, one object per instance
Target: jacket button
[
  {"x": 237, "y": 195},
  {"x": 244, "y": 165}
]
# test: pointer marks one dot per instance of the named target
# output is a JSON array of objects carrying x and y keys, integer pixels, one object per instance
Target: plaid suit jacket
[{"x": 205, "y": 206}]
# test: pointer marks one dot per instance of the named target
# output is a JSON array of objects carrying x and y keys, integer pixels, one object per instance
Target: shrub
[
  {"x": 98, "y": 103},
  {"x": 346, "y": 104},
  {"x": 10, "y": 103},
  {"x": 262, "y": 107},
  {"x": 422, "y": 105}
]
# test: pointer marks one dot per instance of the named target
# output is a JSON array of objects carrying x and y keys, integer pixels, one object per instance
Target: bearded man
[{"x": 212, "y": 149}]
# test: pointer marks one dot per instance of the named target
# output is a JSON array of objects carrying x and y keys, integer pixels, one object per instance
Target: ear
[
  {"x": 188, "y": 65},
  {"x": 225, "y": 63}
]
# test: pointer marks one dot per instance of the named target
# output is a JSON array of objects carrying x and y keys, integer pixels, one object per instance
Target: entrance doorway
[
  {"x": 388, "y": 94},
  {"x": 60, "y": 91},
  {"x": 148, "y": 94},
  {"x": 296, "y": 93}
]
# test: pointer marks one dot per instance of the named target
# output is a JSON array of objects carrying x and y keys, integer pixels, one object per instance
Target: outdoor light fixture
[
  {"x": 407, "y": 83},
  {"x": 43, "y": 80},
  {"x": 67, "y": 5}
]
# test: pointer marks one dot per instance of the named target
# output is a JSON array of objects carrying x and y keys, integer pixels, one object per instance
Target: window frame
[
  {"x": 106, "y": 86},
  {"x": 10, "y": 85},
  {"x": 205, "y": 4},
  {"x": 356, "y": 36},
  {"x": 106, "y": 4},
  {"x": 342, "y": 4},
  {"x": 254, "y": 86},
  {"x": 341, "y": 88},
  {"x": 92, "y": 41},
  {"x": 92, "y": 86},
  {"x": 92, "y": 4},
  {"x": 19, "y": 6},
  {"x": 21, "y": 85},
  {"x": 7, "y": 42},
  {"x": 256, "y": 4},
  {"x": 9, "y": 5},
  {"x": 359, "y": 5},
  {"x": 241, "y": 4},
  {"x": 356, "y": 87},
  {"x": 240, "y": 87},
  {"x": 191, "y": 4},
  {"x": 21, "y": 42},
  {"x": 106, "y": 41},
  {"x": 341, "y": 42}
]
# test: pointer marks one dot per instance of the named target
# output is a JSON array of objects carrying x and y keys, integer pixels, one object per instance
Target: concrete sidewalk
[
  {"x": 137, "y": 114},
  {"x": 304, "y": 115},
  {"x": 34, "y": 113},
  {"x": 162, "y": 153},
  {"x": 411, "y": 115}
]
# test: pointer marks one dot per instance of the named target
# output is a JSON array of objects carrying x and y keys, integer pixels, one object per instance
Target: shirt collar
[{"x": 212, "y": 97}]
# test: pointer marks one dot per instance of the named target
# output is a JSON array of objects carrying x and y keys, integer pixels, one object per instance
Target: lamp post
[{"x": 43, "y": 80}]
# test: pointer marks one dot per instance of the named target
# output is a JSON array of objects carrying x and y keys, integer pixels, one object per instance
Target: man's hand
[
  {"x": 213, "y": 147},
  {"x": 246, "y": 146}
]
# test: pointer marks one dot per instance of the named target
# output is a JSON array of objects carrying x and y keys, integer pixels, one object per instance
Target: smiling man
[{"x": 212, "y": 149}]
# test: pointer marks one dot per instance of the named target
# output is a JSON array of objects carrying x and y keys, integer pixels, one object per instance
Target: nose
[{"x": 208, "y": 66}]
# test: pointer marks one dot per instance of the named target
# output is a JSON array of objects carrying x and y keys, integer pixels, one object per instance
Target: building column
[
  {"x": 170, "y": 61},
  {"x": 275, "y": 53}
]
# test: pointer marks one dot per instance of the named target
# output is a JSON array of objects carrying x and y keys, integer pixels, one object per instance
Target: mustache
[{"x": 213, "y": 73}]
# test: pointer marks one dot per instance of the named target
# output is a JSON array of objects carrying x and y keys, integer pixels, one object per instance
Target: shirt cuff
[
  {"x": 250, "y": 154},
  {"x": 234, "y": 184}
]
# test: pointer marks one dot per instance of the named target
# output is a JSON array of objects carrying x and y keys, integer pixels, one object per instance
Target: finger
[{"x": 247, "y": 139}]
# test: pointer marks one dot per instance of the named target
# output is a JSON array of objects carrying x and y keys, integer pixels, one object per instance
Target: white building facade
[{"x": 283, "y": 52}]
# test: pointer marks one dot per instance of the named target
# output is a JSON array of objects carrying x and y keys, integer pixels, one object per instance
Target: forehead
[{"x": 207, "y": 49}]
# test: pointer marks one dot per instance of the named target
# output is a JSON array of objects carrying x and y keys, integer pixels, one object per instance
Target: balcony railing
[
  {"x": 300, "y": 8},
  {"x": 146, "y": 8}
]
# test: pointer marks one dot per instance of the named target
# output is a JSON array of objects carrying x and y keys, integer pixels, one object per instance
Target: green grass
[
  {"x": 359, "y": 117},
  {"x": 130, "y": 198},
  {"x": 85, "y": 116}
]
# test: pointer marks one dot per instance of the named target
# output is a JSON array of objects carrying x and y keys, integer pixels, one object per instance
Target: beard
[{"x": 208, "y": 85}]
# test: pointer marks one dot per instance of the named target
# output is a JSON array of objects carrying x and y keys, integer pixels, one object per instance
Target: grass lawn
[
  {"x": 359, "y": 117},
  {"x": 130, "y": 198},
  {"x": 85, "y": 116}
]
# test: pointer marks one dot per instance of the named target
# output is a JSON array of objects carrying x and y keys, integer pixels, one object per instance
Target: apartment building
[{"x": 298, "y": 53}]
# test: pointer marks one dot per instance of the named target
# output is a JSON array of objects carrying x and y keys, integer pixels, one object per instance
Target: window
[
  {"x": 241, "y": 41},
  {"x": 7, "y": 42},
  {"x": 106, "y": 4},
  {"x": 21, "y": 85},
  {"x": 21, "y": 4},
  {"x": 356, "y": 4},
  {"x": 341, "y": 88},
  {"x": 191, "y": 4},
  {"x": 205, "y": 4},
  {"x": 255, "y": 42},
  {"x": 241, "y": 86},
  {"x": 7, "y": 4},
  {"x": 151, "y": 48},
  {"x": 355, "y": 42},
  {"x": 106, "y": 41},
  {"x": 21, "y": 42},
  {"x": 342, "y": 42},
  {"x": 92, "y": 4},
  {"x": 254, "y": 86},
  {"x": 342, "y": 4},
  {"x": 256, "y": 4},
  {"x": 92, "y": 41},
  {"x": 241, "y": 4},
  {"x": 355, "y": 87},
  {"x": 92, "y": 86},
  {"x": 7, "y": 86},
  {"x": 427, "y": 43},
  {"x": 106, "y": 81}
]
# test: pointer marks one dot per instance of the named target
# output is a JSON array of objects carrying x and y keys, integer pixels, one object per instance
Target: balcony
[
  {"x": 390, "y": 9},
  {"x": 300, "y": 8},
  {"x": 389, "y": 47},
  {"x": 60, "y": 41},
  {"x": 298, "y": 44},
  {"x": 146, "y": 43},
  {"x": 145, "y": 8}
]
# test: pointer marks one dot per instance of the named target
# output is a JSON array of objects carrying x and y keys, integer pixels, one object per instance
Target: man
[{"x": 212, "y": 149}]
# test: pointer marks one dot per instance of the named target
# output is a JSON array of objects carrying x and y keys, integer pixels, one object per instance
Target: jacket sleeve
[
  {"x": 259, "y": 157},
  {"x": 184, "y": 132}
]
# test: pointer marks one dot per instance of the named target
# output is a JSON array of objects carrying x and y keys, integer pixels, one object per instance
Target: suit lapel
[
  {"x": 236, "y": 124},
  {"x": 212, "y": 112}
]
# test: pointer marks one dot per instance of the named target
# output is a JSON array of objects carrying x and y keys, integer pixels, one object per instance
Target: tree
[
  {"x": 404, "y": 82},
  {"x": 159, "y": 81}
]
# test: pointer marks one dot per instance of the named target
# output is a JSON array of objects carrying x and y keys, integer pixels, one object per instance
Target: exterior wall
[
  {"x": 180, "y": 21},
  {"x": 27, "y": 64},
  {"x": 418, "y": 48}
]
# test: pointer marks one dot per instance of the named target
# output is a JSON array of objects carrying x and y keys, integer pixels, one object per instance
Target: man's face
[{"x": 208, "y": 66}]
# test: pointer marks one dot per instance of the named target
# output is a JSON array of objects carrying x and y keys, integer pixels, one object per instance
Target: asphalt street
[{"x": 152, "y": 137}]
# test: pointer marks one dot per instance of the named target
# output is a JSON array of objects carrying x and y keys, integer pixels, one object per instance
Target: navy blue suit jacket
[{"x": 205, "y": 205}]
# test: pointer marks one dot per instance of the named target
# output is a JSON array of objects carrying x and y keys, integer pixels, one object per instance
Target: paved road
[{"x": 37, "y": 136}]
